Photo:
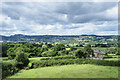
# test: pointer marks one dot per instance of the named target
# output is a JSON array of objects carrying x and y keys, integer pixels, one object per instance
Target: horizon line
[{"x": 63, "y": 35}]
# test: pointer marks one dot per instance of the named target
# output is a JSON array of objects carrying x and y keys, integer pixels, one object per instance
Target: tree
[
  {"x": 52, "y": 53},
  {"x": 118, "y": 51},
  {"x": 4, "y": 50},
  {"x": 21, "y": 57},
  {"x": 10, "y": 52},
  {"x": 63, "y": 52},
  {"x": 111, "y": 50},
  {"x": 88, "y": 50},
  {"x": 49, "y": 45},
  {"x": 45, "y": 54},
  {"x": 59, "y": 47},
  {"x": 80, "y": 45},
  {"x": 44, "y": 49},
  {"x": 79, "y": 53},
  {"x": 38, "y": 53},
  {"x": 73, "y": 48}
]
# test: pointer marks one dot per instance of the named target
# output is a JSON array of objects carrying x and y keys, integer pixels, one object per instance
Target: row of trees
[{"x": 32, "y": 49}]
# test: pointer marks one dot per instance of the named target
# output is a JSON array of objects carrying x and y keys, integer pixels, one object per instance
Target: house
[{"x": 98, "y": 54}]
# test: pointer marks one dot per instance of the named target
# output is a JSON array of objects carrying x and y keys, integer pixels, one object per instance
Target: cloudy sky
[{"x": 59, "y": 18}]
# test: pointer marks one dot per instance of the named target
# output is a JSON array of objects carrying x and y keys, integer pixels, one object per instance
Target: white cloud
[
  {"x": 59, "y": 18},
  {"x": 112, "y": 13},
  {"x": 50, "y": 27}
]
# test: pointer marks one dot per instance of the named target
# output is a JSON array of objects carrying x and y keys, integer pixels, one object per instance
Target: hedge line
[
  {"x": 59, "y": 57},
  {"x": 53, "y": 62},
  {"x": 11, "y": 68}
]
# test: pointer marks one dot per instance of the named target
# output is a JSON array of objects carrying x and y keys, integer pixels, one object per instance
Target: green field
[
  {"x": 69, "y": 71},
  {"x": 113, "y": 59},
  {"x": 102, "y": 49}
]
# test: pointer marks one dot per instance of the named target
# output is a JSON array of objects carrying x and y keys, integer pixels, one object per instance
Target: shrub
[
  {"x": 73, "y": 48},
  {"x": 9, "y": 69},
  {"x": 45, "y": 54},
  {"x": 59, "y": 47},
  {"x": 79, "y": 53},
  {"x": 22, "y": 59},
  {"x": 53, "y": 53},
  {"x": 63, "y": 52}
]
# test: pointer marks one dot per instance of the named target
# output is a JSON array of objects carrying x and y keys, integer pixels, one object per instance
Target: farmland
[
  {"x": 69, "y": 71},
  {"x": 60, "y": 59},
  {"x": 59, "y": 39}
]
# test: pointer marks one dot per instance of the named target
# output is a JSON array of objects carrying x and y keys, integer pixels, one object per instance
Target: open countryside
[
  {"x": 59, "y": 40},
  {"x": 60, "y": 60}
]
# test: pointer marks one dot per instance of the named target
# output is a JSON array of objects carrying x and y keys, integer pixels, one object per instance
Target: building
[{"x": 98, "y": 54}]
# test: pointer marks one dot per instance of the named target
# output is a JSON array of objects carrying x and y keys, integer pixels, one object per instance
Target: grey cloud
[
  {"x": 53, "y": 13},
  {"x": 47, "y": 14},
  {"x": 71, "y": 27},
  {"x": 78, "y": 8}
]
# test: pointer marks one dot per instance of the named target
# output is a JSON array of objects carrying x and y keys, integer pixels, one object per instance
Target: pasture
[{"x": 69, "y": 71}]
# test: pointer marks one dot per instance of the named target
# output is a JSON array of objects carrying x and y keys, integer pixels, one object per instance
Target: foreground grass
[{"x": 69, "y": 71}]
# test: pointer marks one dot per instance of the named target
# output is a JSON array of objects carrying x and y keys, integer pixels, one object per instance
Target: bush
[
  {"x": 63, "y": 52},
  {"x": 22, "y": 59},
  {"x": 73, "y": 48},
  {"x": 45, "y": 54},
  {"x": 53, "y": 53},
  {"x": 59, "y": 47},
  {"x": 79, "y": 53},
  {"x": 9, "y": 69}
]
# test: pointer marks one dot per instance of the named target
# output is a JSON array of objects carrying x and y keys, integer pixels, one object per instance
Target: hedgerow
[
  {"x": 11, "y": 68},
  {"x": 54, "y": 61}
]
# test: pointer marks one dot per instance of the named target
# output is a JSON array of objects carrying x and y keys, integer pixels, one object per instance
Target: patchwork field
[{"x": 69, "y": 71}]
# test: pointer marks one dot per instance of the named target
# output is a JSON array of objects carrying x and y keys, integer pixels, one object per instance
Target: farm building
[{"x": 98, "y": 54}]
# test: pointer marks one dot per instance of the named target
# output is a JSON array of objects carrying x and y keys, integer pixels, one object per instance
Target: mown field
[{"x": 69, "y": 71}]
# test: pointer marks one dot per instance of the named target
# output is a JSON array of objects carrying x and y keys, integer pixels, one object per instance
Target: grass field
[
  {"x": 113, "y": 59},
  {"x": 36, "y": 59},
  {"x": 102, "y": 49},
  {"x": 69, "y": 71}
]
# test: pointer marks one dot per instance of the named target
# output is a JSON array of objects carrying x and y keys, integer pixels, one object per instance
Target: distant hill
[{"x": 39, "y": 38}]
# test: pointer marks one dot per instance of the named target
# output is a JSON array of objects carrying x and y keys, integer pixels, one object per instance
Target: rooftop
[{"x": 96, "y": 51}]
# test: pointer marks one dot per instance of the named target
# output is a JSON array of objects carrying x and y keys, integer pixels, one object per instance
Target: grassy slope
[{"x": 69, "y": 71}]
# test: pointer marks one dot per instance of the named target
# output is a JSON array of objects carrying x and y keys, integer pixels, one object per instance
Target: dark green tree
[
  {"x": 88, "y": 50},
  {"x": 79, "y": 53},
  {"x": 111, "y": 50},
  {"x": 21, "y": 57},
  {"x": 49, "y": 45},
  {"x": 59, "y": 47},
  {"x": 73, "y": 48}
]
